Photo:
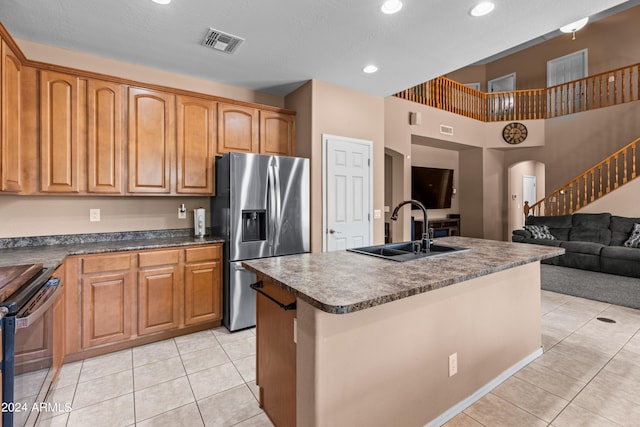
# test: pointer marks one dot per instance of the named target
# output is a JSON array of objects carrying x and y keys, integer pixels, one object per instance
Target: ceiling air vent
[
  {"x": 446, "y": 130},
  {"x": 222, "y": 42}
]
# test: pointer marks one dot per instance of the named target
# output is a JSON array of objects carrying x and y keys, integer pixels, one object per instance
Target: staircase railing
[
  {"x": 613, "y": 87},
  {"x": 597, "y": 181}
]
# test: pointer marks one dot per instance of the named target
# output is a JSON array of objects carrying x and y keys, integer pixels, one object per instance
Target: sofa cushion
[
  {"x": 559, "y": 226},
  {"x": 597, "y": 221},
  {"x": 621, "y": 253},
  {"x": 621, "y": 228},
  {"x": 593, "y": 235},
  {"x": 539, "y": 231},
  {"x": 634, "y": 239},
  {"x": 620, "y": 260},
  {"x": 582, "y": 247},
  {"x": 591, "y": 228}
]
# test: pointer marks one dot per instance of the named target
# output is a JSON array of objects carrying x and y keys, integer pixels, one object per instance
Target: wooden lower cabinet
[
  {"x": 107, "y": 307},
  {"x": 202, "y": 285},
  {"x": 123, "y": 299},
  {"x": 276, "y": 354},
  {"x": 159, "y": 286}
]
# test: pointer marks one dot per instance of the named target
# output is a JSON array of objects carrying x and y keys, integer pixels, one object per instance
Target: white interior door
[
  {"x": 567, "y": 68},
  {"x": 347, "y": 193},
  {"x": 503, "y": 84},
  {"x": 528, "y": 191},
  {"x": 502, "y": 106},
  {"x": 562, "y": 70}
]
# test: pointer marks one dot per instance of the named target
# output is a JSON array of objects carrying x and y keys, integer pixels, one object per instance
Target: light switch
[{"x": 377, "y": 214}]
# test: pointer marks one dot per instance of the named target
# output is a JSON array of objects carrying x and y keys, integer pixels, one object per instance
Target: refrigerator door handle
[
  {"x": 278, "y": 203},
  {"x": 271, "y": 206}
]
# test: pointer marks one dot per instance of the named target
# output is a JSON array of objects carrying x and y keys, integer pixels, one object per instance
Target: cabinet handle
[{"x": 258, "y": 288}]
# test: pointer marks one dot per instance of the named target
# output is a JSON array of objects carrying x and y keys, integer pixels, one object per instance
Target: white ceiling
[{"x": 291, "y": 41}]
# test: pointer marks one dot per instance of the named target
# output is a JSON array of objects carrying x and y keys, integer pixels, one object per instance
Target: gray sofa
[{"x": 591, "y": 241}]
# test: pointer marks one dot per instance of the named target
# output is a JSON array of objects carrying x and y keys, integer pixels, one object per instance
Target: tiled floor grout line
[
  {"x": 545, "y": 350},
  {"x": 591, "y": 379},
  {"x": 598, "y": 373}
]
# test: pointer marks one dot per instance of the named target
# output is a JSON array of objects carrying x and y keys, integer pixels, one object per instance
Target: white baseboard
[{"x": 464, "y": 404}]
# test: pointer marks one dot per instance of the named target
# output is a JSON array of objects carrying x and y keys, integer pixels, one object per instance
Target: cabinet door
[
  {"x": 237, "y": 129},
  {"x": 10, "y": 136},
  {"x": 159, "y": 287},
  {"x": 59, "y": 133},
  {"x": 276, "y": 133},
  {"x": 202, "y": 292},
  {"x": 151, "y": 140},
  {"x": 106, "y": 308},
  {"x": 195, "y": 145},
  {"x": 105, "y": 137}
]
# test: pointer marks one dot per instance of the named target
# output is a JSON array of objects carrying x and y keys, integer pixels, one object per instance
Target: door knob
[{"x": 332, "y": 231}]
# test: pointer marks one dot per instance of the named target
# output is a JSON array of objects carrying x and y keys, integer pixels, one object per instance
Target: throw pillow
[
  {"x": 539, "y": 231},
  {"x": 634, "y": 239}
]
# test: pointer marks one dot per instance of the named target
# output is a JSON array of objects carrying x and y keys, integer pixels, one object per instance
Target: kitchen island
[{"x": 375, "y": 340}]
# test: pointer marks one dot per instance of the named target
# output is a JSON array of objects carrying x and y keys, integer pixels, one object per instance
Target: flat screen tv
[{"x": 432, "y": 187}]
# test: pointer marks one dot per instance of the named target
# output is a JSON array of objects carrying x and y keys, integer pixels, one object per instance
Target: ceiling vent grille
[
  {"x": 446, "y": 130},
  {"x": 222, "y": 42}
]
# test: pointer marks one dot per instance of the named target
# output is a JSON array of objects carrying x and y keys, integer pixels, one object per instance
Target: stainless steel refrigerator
[{"x": 261, "y": 208}]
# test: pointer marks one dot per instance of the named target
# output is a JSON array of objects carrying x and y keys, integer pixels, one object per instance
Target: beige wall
[
  {"x": 341, "y": 112},
  {"x": 622, "y": 202},
  {"x": 482, "y": 178},
  {"x": 611, "y": 42},
  {"x": 491, "y": 324},
  {"x": 23, "y": 216}
]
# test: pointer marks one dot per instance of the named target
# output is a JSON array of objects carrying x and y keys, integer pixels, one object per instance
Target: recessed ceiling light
[
  {"x": 161, "y": 1},
  {"x": 370, "y": 69},
  {"x": 391, "y": 6},
  {"x": 482, "y": 9}
]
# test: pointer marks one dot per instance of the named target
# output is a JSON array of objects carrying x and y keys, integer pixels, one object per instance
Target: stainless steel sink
[{"x": 405, "y": 251}]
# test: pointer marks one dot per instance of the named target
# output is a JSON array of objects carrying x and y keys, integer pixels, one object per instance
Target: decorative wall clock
[{"x": 514, "y": 133}]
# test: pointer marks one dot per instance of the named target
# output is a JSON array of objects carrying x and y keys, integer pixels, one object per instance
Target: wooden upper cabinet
[
  {"x": 105, "y": 137},
  {"x": 276, "y": 133},
  {"x": 10, "y": 108},
  {"x": 195, "y": 145},
  {"x": 152, "y": 138},
  {"x": 60, "y": 123},
  {"x": 238, "y": 128}
]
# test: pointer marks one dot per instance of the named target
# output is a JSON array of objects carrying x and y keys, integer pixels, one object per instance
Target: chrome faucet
[{"x": 426, "y": 240}]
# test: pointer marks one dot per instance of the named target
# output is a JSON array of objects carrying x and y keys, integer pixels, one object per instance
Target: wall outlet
[
  {"x": 94, "y": 215},
  {"x": 453, "y": 364},
  {"x": 182, "y": 213}
]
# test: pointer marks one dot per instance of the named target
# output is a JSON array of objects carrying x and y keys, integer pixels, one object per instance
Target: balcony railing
[{"x": 601, "y": 90}]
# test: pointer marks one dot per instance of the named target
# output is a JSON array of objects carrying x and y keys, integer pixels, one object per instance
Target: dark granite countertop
[
  {"x": 51, "y": 250},
  {"x": 343, "y": 282}
]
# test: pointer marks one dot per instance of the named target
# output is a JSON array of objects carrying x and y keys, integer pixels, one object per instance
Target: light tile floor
[
  {"x": 589, "y": 375},
  {"x": 202, "y": 379}
]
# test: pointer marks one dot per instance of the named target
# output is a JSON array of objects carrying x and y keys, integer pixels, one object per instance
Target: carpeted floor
[{"x": 603, "y": 287}]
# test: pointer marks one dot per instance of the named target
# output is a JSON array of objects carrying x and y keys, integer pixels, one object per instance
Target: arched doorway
[{"x": 521, "y": 177}]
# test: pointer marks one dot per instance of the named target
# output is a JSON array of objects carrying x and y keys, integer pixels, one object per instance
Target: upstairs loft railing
[
  {"x": 601, "y": 90},
  {"x": 597, "y": 181}
]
